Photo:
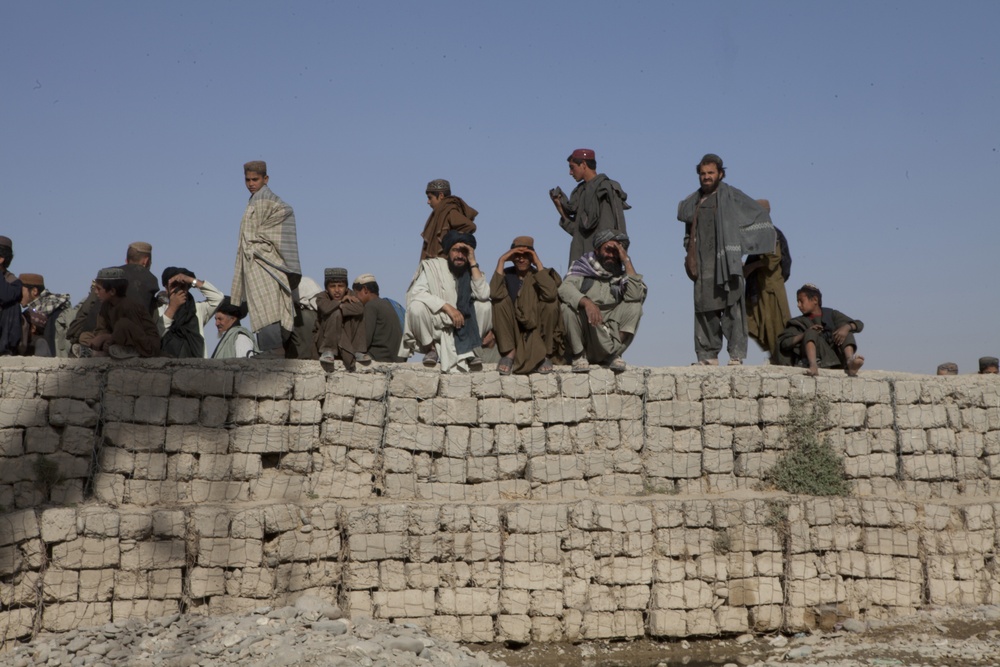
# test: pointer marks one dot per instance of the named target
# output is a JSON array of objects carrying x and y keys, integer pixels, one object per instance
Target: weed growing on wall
[{"x": 810, "y": 465}]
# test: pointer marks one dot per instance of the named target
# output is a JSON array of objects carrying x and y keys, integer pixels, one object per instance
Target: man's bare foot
[
  {"x": 813, "y": 370},
  {"x": 489, "y": 339},
  {"x": 855, "y": 363}
]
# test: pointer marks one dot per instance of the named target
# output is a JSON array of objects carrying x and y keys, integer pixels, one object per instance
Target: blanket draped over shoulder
[
  {"x": 588, "y": 266},
  {"x": 742, "y": 227},
  {"x": 182, "y": 339},
  {"x": 267, "y": 261},
  {"x": 453, "y": 213}
]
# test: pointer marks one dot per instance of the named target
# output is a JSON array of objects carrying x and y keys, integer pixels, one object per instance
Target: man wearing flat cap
[
  {"x": 602, "y": 297},
  {"x": 124, "y": 329},
  {"x": 42, "y": 310},
  {"x": 340, "y": 323},
  {"x": 447, "y": 212},
  {"x": 527, "y": 321},
  {"x": 989, "y": 365},
  {"x": 383, "y": 330},
  {"x": 721, "y": 225},
  {"x": 448, "y": 307},
  {"x": 597, "y": 203},
  {"x": 267, "y": 262},
  {"x": 142, "y": 288},
  {"x": 10, "y": 300},
  {"x": 235, "y": 340}
]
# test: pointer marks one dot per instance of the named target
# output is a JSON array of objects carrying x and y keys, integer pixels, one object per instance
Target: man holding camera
[
  {"x": 448, "y": 309},
  {"x": 596, "y": 203},
  {"x": 182, "y": 321},
  {"x": 602, "y": 299}
]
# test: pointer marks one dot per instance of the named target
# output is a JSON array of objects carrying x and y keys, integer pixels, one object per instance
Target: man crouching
[
  {"x": 448, "y": 307},
  {"x": 602, "y": 299}
]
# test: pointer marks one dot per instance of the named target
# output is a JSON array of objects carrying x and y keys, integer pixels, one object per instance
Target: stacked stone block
[{"x": 486, "y": 508}]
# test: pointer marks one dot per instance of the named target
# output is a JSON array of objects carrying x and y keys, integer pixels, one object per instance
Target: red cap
[{"x": 583, "y": 154}]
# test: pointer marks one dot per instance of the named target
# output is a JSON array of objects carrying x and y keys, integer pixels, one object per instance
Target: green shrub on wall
[{"x": 810, "y": 465}]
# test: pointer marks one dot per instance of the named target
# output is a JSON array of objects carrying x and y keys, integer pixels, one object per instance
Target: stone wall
[{"x": 539, "y": 508}]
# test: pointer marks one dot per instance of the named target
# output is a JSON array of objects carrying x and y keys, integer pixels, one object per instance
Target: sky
[{"x": 870, "y": 126}]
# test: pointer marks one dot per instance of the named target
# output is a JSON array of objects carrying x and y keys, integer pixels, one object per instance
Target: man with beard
[
  {"x": 448, "y": 307},
  {"x": 602, "y": 299},
  {"x": 235, "y": 340},
  {"x": 596, "y": 203},
  {"x": 722, "y": 224},
  {"x": 182, "y": 321},
  {"x": 447, "y": 213}
]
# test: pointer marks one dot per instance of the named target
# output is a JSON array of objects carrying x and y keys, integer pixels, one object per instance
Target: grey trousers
[
  {"x": 272, "y": 337},
  {"x": 604, "y": 341},
  {"x": 712, "y": 325}
]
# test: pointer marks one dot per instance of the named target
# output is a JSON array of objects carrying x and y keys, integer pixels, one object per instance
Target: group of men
[{"x": 526, "y": 317}]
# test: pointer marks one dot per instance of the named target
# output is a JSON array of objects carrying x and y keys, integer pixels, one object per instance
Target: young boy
[
  {"x": 821, "y": 337},
  {"x": 340, "y": 324},
  {"x": 125, "y": 328}
]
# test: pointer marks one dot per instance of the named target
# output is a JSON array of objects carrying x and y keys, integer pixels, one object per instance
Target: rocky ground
[
  {"x": 967, "y": 637},
  {"x": 313, "y": 634},
  {"x": 310, "y": 634}
]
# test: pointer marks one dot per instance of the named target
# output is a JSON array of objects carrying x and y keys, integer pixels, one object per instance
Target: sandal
[
  {"x": 546, "y": 367},
  {"x": 505, "y": 366}
]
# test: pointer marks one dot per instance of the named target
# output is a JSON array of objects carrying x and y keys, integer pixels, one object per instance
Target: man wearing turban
[{"x": 448, "y": 307}]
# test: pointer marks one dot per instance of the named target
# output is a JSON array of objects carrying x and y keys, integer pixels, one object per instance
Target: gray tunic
[{"x": 708, "y": 295}]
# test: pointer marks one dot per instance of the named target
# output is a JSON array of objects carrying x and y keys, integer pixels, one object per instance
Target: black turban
[
  {"x": 453, "y": 237},
  {"x": 227, "y": 308},
  {"x": 172, "y": 271}
]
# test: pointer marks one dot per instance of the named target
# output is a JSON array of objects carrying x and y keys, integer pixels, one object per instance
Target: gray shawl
[{"x": 742, "y": 227}]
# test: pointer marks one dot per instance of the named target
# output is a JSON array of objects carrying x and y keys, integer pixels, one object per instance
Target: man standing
[
  {"x": 267, "y": 262},
  {"x": 10, "y": 300},
  {"x": 596, "y": 203},
  {"x": 602, "y": 299},
  {"x": 447, "y": 213},
  {"x": 721, "y": 225},
  {"x": 448, "y": 307},
  {"x": 383, "y": 331}
]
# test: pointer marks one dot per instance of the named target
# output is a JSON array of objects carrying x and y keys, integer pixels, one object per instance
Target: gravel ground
[
  {"x": 310, "y": 634},
  {"x": 313, "y": 634},
  {"x": 965, "y": 637}
]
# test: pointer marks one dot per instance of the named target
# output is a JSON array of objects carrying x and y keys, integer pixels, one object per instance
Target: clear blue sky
[{"x": 870, "y": 126}]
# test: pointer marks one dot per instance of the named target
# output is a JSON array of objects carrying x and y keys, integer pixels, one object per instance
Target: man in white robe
[{"x": 448, "y": 310}]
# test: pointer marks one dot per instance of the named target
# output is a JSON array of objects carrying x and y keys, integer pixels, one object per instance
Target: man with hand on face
[
  {"x": 182, "y": 321},
  {"x": 527, "y": 321},
  {"x": 448, "y": 307},
  {"x": 602, "y": 297},
  {"x": 722, "y": 224}
]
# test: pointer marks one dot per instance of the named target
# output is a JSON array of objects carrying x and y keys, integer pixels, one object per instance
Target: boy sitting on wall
[
  {"x": 125, "y": 328},
  {"x": 821, "y": 337}
]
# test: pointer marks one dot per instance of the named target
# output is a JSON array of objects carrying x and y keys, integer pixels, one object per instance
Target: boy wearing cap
[
  {"x": 124, "y": 328},
  {"x": 447, "y": 212},
  {"x": 989, "y": 365},
  {"x": 267, "y": 262},
  {"x": 340, "y": 324},
  {"x": 527, "y": 321},
  {"x": 10, "y": 300},
  {"x": 42, "y": 309},
  {"x": 596, "y": 203},
  {"x": 383, "y": 330}
]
